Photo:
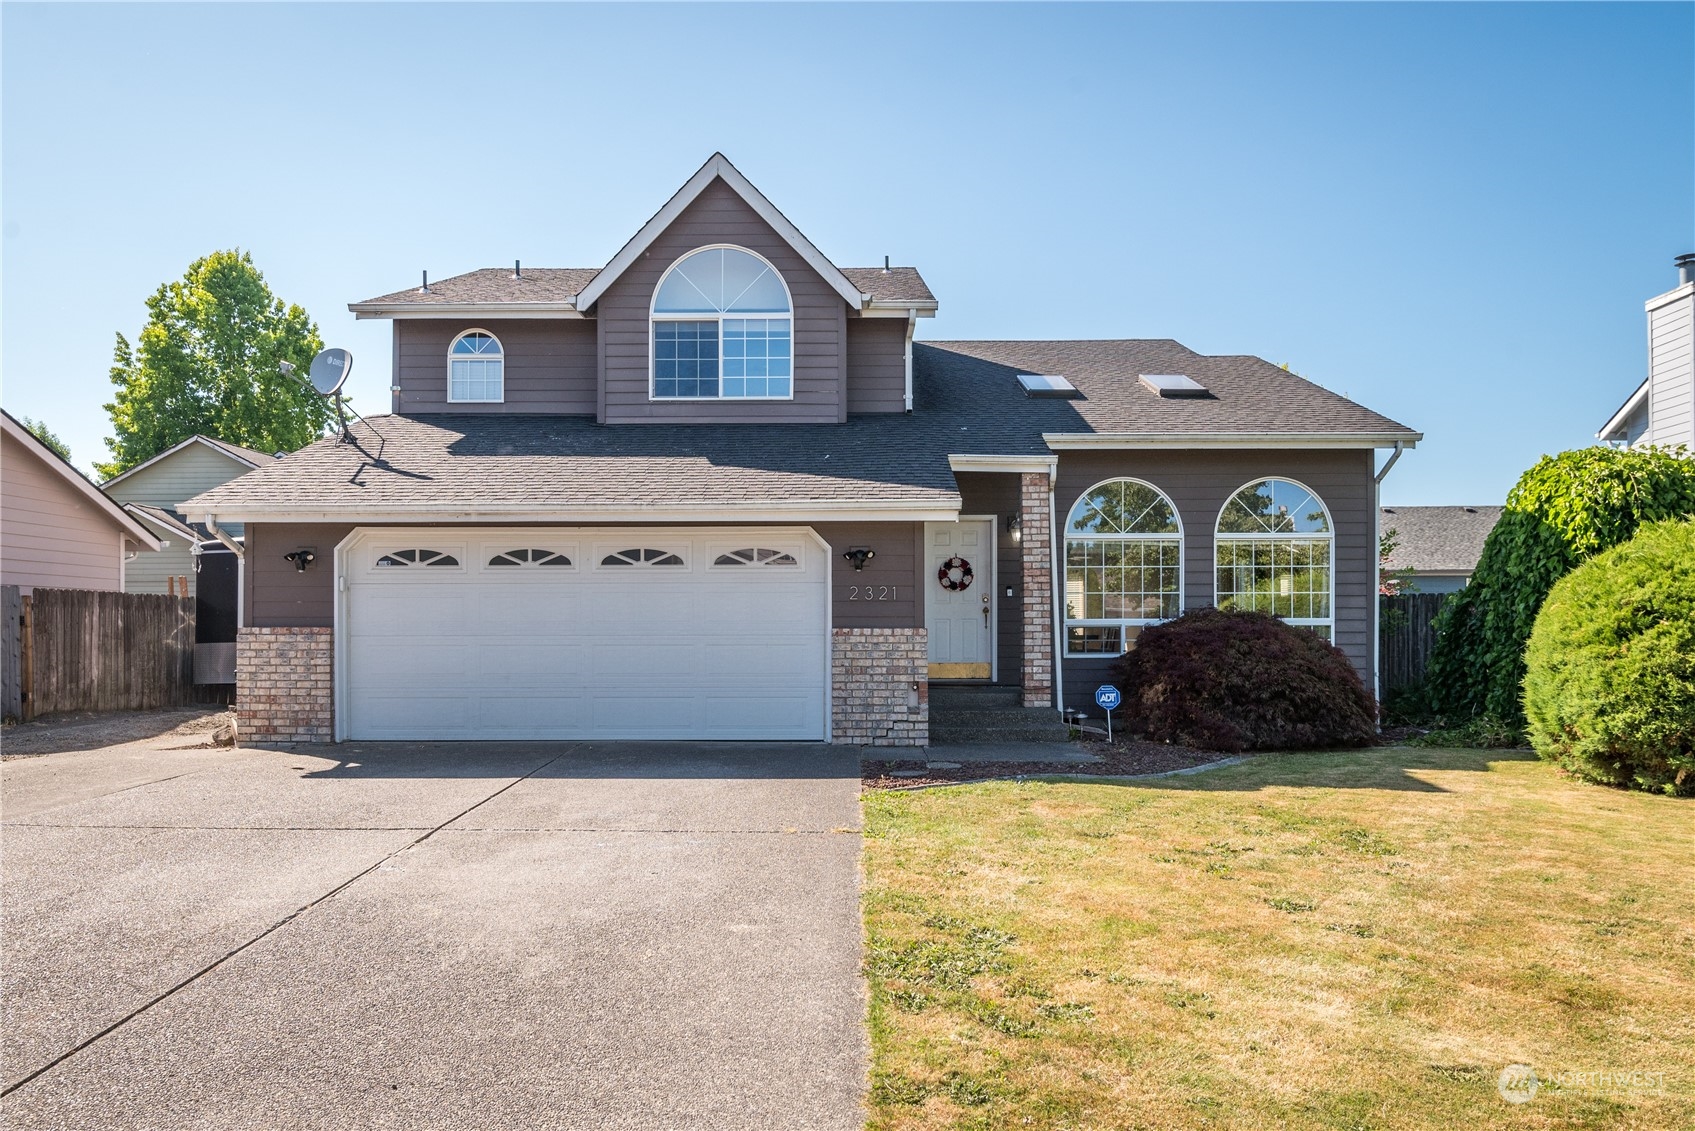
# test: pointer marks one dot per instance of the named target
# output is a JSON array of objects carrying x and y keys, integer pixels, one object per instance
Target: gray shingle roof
[
  {"x": 559, "y": 284},
  {"x": 1438, "y": 539},
  {"x": 967, "y": 400}
]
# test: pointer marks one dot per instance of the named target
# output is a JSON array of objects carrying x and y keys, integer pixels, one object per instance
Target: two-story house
[
  {"x": 715, "y": 489},
  {"x": 1661, "y": 412}
]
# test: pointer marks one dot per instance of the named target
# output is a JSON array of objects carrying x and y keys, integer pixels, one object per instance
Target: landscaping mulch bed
[{"x": 1124, "y": 758}]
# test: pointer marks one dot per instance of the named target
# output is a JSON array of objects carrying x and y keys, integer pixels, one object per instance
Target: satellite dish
[{"x": 330, "y": 369}]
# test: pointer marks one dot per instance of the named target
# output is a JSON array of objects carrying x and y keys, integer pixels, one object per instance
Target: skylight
[
  {"x": 1173, "y": 385},
  {"x": 1046, "y": 386}
]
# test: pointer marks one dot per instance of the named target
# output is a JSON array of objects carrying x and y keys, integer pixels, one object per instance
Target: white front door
[
  {"x": 960, "y": 618},
  {"x": 536, "y": 633}
]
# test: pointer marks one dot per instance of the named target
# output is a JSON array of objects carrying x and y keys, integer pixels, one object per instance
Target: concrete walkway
[{"x": 519, "y": 935}]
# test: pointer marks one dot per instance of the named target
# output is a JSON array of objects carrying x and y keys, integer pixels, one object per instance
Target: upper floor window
[
  {"x": 476, "y": 368},
  {"x": 1274, "y": 551},
  {"x": 723, "y": 327},
  {"x": 1123, "y": 566}
]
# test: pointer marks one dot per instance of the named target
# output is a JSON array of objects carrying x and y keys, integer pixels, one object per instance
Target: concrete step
[
  {"x": 1010, "y": 717},
  {"x": 971, "y": 696},
  {"x": 947, "y": 735}
]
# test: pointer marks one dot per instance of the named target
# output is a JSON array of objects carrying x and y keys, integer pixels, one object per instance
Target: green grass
[{"x": 1347, "y": 941}]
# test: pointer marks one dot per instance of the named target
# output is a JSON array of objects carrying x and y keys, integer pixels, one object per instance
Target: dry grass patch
[{"x": 1357, "y": 940}]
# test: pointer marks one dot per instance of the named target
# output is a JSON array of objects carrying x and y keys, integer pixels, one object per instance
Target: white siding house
[{"x": 1661, "y": 412}]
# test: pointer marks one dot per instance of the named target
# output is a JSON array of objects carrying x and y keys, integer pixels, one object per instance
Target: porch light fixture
[
  {"x": 859, "y": 555},
  {"x": 301, "y": 559},
  {"x": 1015, "y": 527}
]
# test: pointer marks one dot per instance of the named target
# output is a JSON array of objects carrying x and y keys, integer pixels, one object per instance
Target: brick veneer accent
[
  {"x": 1036, "y": 542},
  {"x": 880, "y": 686},
  {"x": 285, "y": 684}
]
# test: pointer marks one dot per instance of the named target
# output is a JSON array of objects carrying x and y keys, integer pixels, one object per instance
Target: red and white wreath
[{"x": 955, "y": 574}]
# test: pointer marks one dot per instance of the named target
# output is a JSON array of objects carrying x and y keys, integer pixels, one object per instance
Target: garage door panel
[{"x": 642, "y": 652}]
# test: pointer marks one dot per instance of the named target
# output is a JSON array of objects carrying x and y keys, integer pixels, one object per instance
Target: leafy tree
[
  {"x": 1563, "y": 511},
  {"x": 47, "y": 436},
  {"x": 207, "y": 362}
]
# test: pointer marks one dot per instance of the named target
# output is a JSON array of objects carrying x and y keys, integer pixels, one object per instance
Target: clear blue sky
[{"x": 1450, "y": 212}]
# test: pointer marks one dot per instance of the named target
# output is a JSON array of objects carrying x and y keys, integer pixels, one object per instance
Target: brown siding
[
  {"x": 279, "y": 596},
  {"x": 51, "y": 534},
  {"x": 550, "y": 364},
  {"x": 997, "y": 494},
  {"x": 718, "y": 215},
  {"x": 876, "y": 365},
  {"x": 1199, "y": 483}
]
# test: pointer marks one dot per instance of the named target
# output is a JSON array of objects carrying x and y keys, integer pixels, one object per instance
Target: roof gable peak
[{"x": 719, "y": 168}]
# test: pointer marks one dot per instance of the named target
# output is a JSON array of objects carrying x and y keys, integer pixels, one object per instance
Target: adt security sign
[{"x": 1106, "y": 698}]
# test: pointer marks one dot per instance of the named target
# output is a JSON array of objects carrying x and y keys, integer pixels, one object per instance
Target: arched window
[
  {"x": 1123, "y": 566},
  {"x": 1274, "y": 553},
  {"x": 723, "y": 327},
  {"x": 476, "y": 368}
]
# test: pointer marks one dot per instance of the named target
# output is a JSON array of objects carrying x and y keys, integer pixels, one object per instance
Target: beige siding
[
  {"x": 1671, "y": 373},
  {"x": 876, "y": 365},
  {"x": 718, "y": 215},
  {"x": 51, "y": 534},
  {"x": 550, "y": 365},
  {"x": 1199, "y": 483}
]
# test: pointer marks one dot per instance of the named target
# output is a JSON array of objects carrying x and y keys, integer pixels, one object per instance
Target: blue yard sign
[{"x": 1106, "y": 698}]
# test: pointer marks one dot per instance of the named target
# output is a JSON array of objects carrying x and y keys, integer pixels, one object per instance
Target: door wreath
[{"x": 955, "y": 574}]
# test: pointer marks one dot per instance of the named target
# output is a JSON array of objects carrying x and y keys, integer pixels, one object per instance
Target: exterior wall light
[
  {"x": 859, "y": 555},
  {"x": 301, "y": 559},
  {"x": 1015, "y": 527}
]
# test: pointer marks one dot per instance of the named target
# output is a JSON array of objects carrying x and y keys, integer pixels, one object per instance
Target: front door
[{"x": 959, "y": 605}]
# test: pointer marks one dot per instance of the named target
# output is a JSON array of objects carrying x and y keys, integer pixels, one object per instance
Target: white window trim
[
  {"x": 652, "y": 342},
  {"x": 487, "y": 550},
  {"x": 380, "y": 550},
  {"x": 603, "y": 550},
  {"x": 1067, "y": 538},
  {"x": 1219, "y": 537},
  {"x": 451, "y": 399}
]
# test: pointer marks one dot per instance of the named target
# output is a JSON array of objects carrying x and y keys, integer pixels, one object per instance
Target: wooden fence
[
  {"x": 1406, "y": 637},
  {"x": 83, "y": 650}
]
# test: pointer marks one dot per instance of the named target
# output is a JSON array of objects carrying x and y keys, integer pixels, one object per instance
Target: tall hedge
[
  {"x": 1609, "y": 689},
  {"x": 1563, "y": 511}
]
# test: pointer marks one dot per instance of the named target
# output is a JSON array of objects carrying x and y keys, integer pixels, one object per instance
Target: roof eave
[
  {"x": 1062, "y": 441},
  {"x": 1617, "y": 420},
  {"x": 207, "y": 441},
  {"x": 943, "y": 508},
  {"x": 398, "y": 310}
]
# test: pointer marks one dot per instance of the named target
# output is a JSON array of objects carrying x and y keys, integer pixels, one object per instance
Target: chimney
[{"x": 1685, "y": 269}]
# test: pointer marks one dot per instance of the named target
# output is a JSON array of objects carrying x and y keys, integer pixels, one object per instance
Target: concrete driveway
[{"x": 522, "y": 935}]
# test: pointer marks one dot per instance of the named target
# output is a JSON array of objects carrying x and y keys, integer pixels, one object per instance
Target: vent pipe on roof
[
  {"x": 425, "y": 289},
  {"x": 1685, "y": 268},
  {"x": 517, "y": 269},
  {"x": 885, "y": 265}
]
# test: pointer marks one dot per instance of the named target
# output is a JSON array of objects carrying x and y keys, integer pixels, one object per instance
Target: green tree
[
  {"x": 1563, "y": 511},
  {"x": 47, "y": 436},
  {"x": 207, "y": 362}
]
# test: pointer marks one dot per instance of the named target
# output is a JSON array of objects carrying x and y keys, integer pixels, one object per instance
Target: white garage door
[{"x": 598, "y": 633}]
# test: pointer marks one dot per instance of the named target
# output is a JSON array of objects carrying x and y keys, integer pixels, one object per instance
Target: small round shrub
[
  {"x": 1233, "y": 681},
  {"x": 1609, "y": 689}
]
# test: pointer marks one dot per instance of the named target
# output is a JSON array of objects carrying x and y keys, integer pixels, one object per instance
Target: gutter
[
  {"x": 221, "y": 535},
  {"x": 1062, "y": 441}
]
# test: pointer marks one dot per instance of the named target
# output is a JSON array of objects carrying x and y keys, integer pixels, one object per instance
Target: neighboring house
[
  {"x": 1437, "y": 547},
  {"x": 1661, "y": 412},
  {"x": 154, "y": 492},
  {"x": 58, "y": 530},
  {"x": 714, "y": 489}
]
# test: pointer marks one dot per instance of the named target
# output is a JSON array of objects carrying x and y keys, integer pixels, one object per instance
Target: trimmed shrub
[
  {"x": 1610, "y": 690},
  {"x": 1232, "y": 681},
  {"x": 1564, "y": 510}
]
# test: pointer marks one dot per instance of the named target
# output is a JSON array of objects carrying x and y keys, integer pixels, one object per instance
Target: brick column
[
  {"x": 880, "y": 686},
  {"x": 1036, "y": 543},
  {"x": 284, "y": 684}
]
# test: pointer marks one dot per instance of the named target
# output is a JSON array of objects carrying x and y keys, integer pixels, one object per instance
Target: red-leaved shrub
[{"x": 1233, "y": 681}]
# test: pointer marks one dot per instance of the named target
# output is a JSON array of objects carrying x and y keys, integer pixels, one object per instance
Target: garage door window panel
[
  {"x": 530, "y": 558},
  {"x": 757, "y": 556},
  {"x": 644, "y": 556},
  {"x": 417, "y": 557}
]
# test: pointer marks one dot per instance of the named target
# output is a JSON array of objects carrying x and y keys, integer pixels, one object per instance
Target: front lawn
[{"x": 1354, "y": 940}]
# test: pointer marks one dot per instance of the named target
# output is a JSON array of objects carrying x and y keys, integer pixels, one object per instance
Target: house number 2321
[{"x": 873, "y": 592}]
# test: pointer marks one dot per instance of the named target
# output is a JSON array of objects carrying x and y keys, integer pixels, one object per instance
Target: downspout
[
  {"x": 911, "y": 328},
  {"x": 235, "y": 548},
  {"x": 1377, "y": 574}
]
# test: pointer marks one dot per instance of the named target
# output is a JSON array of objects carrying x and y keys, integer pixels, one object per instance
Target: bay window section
[{"x": 1123, "y": 566}]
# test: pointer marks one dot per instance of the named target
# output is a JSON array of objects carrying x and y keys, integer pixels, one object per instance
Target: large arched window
[
  {"x": 723, "y": 327},
  {"x": 1123, "y": 566},
  {"x": 476, "y": 368},
  {"x": 1274, "y": 552}
]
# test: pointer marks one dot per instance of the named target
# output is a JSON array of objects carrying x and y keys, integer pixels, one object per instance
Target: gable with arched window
[
  {"x": 476, "y": 368},
  {"x": 1275, "y": 550},
  {"x": 1123, "y": 566},
  {"x": 723, "y": 329}
]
